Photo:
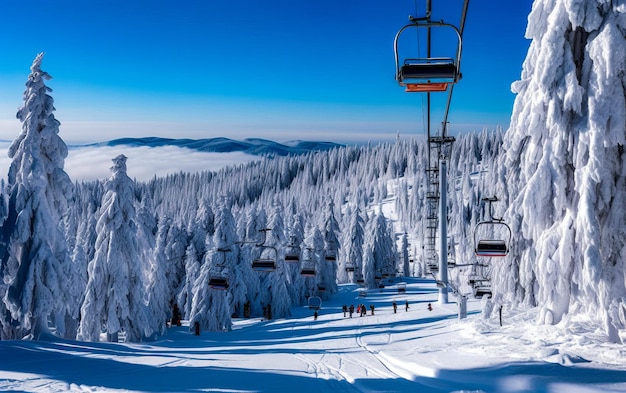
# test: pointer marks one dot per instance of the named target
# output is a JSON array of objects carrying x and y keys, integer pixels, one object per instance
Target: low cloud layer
[{"x": 93, "y": 163}]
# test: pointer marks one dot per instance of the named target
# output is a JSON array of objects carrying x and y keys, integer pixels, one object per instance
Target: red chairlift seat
[{"x": 428, "y": 74}]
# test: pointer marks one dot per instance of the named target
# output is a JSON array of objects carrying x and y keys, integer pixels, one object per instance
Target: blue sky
[{"x": 277, "y": 69}]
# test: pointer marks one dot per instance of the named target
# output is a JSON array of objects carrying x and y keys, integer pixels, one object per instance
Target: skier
[
  {"x": 372, "y": 308},
  {"x": 345, "y": 310},
  {"x": 351, "y": 310},
  {"x": 395, "y": 307},
  {"x": 430, "y": 308},
  {"x": 315, "y": 315},
  {"x": 406, "y": 306}
]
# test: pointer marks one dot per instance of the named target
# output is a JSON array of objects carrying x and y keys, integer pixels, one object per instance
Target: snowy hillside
[{"x": 418, "y": 350}]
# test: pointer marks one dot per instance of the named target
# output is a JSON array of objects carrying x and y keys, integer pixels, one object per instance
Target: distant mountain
[{"x": 254, "y": 146}]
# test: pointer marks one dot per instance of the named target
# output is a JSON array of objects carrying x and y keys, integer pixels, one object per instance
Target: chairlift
[
  {"x": 307, "y": 271},
  {"x": 315, "y": 302},
  {"x": 321, "y": 288},
  {"x": 427, "y": 74},
  {"x": 350, "y": 267},
  {"x": 359, "y": 279},
  {"x": 265, "y": 264},
  {"x": 330, "y": 256},
  {"x": 492, "y": 247},
  {"x": 482, "y": 288},
  {"x": 401, "y": 287},
  {"x": 432, "y": 266},
  {"x": 293, "y": 252},
  {"x": 308, "y": 266},
  {"x": 219, "y": 281}
]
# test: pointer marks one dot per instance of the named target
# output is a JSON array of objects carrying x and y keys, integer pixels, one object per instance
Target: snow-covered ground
[{"x": 418, "y": 351}]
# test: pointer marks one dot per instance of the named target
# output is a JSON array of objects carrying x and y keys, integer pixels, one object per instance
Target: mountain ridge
[{"x": 253, "y": 146}]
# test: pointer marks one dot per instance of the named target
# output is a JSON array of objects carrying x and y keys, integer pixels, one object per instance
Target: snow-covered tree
[
  {"x": 36, "y": 266},
  {"x": 353, "y": 248},
  {"x": 567, "y": 139},
  {"x": 380, "y": 253},
  {"x": 115, "y": 294}
]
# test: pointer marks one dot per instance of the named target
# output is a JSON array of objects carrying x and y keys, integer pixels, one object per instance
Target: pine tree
[
  {"x": 567, "y": 139},
  {"x": 115, "y": 292},
  {"x": 36, "y": 264}
]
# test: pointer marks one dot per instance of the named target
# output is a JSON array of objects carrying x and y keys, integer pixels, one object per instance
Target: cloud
[{"x": 93, "y": 163}]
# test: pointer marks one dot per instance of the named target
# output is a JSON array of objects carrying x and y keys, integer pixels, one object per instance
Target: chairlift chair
[
  {"x": 307, "y": 271},
  {"x": 216, "y": 282},
  {"x": 308, "y": 265},
  {"x": 315, "y": 302},
  {"x": 359, "y": 279},
  {"x": 401, "y": 287},
  {"x": 264, "y": 265},
  {"x": 293, "y": 252},
  {"x": 292, "y": 257},
  {"x": 433, "y": 267},
  {"x": 492, "y": 247},
  {"x": 220, "y": 280},
  {"x": 482, "y": 288},
  {"x": 350, "y": 267},
  {"x": 321, "y": 288},
  {"x": 427, "y": 74}
]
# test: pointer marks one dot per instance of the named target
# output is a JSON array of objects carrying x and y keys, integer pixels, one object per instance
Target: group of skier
[{"x": 361, "y": 309}]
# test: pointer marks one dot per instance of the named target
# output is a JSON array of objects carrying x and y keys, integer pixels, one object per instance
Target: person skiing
[
  {"x": 345, "y": 310},
  {"x": 430, "y": 308},
  {"x": 351, "y": 310},
  {"x": 406, "y": 306},
  {"x": 315, "y": 315},
  {"x": 395, "y": 307},
  {"x": 372, "y": 308}
]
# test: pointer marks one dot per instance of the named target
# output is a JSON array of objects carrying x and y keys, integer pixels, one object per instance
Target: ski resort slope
[{"x": 414, "y": 350}]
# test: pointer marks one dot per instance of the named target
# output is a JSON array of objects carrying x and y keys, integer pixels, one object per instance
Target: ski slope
[{"x": 414, "y": 350}]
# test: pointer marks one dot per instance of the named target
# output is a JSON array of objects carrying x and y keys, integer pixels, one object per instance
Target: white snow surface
[{"x": 414, "y": 350}]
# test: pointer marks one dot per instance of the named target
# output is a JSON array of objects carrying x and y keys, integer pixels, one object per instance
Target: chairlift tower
[{"x": 428, "y": 75}]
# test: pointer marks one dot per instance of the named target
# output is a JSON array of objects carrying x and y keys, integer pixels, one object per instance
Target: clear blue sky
[{"x": 276, "y": 69}]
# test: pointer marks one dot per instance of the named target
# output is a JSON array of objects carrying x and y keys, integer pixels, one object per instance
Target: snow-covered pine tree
[
  {"x": 354, "y": 242},
  {"x": 331, "y": 241},
  {"x": 35, "y": 262},
  {"x": 192, "y": 270},
  {"x": 406, "y": 267},
  {"x": 115, "y": 293},
  {"x": 226, "y": 242},
  {"x": 567, "y": 138},
  {"x": 280, "y": 279},
  {"x": 160, "y": 300},
  {"x": 380, "y": 252}
]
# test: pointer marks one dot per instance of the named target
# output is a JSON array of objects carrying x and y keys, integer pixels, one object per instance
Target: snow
[{"x": 418, "y": 350}]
